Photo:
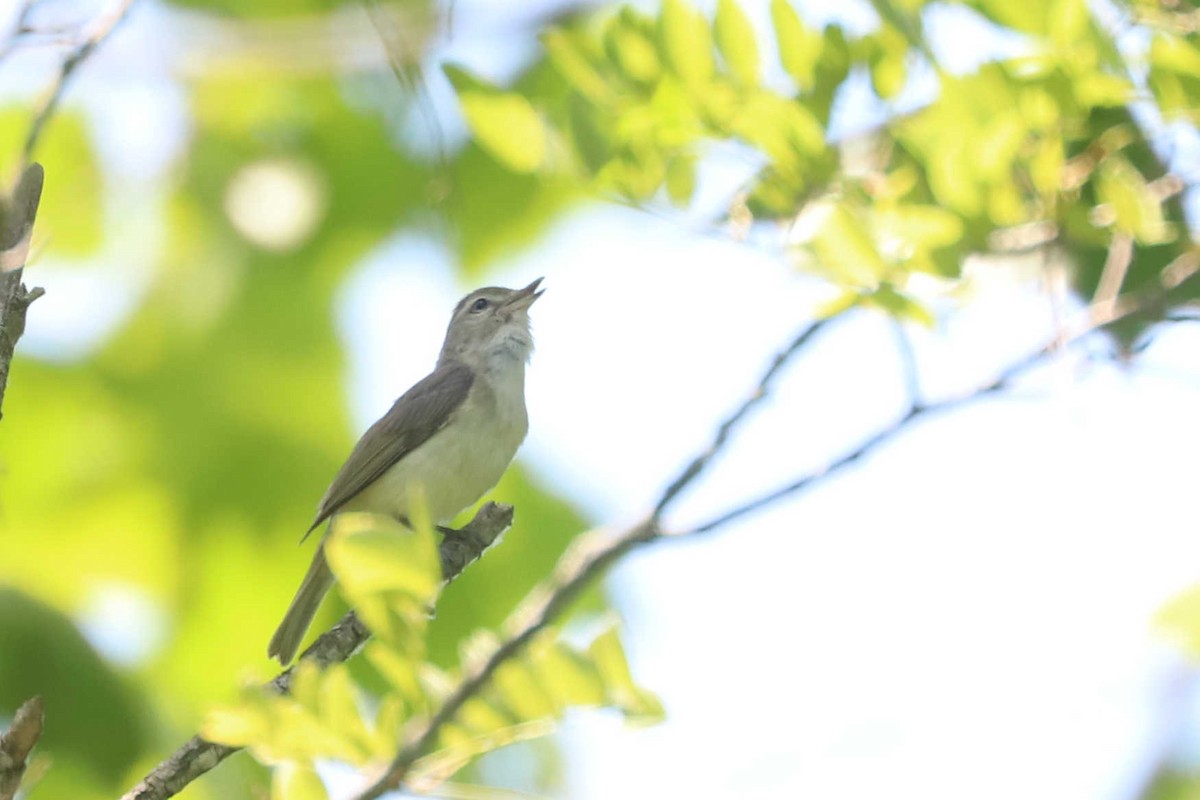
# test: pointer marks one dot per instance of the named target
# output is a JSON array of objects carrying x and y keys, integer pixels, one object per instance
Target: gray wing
[{"x": 419, "y": 413}]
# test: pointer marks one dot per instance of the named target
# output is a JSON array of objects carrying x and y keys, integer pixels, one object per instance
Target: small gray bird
[{"x": 450, "y": 437}]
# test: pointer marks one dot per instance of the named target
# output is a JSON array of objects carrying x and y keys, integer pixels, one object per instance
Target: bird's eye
[{"x": 479, "y": 305}]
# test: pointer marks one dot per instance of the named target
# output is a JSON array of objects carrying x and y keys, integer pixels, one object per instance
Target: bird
[{"x": 448, "y": 439}]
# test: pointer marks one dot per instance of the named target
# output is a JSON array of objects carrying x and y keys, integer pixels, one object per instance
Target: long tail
[{"x": 304, "y": 607}]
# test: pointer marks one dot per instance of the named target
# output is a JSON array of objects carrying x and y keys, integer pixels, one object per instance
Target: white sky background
[{"x": 967, "y": 610}]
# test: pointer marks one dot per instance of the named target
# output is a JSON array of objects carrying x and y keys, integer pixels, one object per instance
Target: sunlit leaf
[
  {"x": 889, "y": 69},
  {"x": 373, "y": 554},
  {"x": 681, "y": 180},
  {"x": 736, "y": 41},
  {"x": 1180, "y": 618},
  {"x": 297, "y": 781},
  {"x": 845, "y": 249},
  {"x": 70, "y": 215},
  {"x": 900, "y": 306},
  {"x": 608, "y": 654},
  {"x": 686, "y": 42},
  {"x": 504, "y": 123},
  {"x": 567, "y": 51},
  {"x": 630, "y": 41},
  {"x": 799, "y": 46}
]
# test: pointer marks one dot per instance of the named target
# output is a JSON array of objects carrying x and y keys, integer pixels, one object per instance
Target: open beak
[{"x": 525, "y": 298}]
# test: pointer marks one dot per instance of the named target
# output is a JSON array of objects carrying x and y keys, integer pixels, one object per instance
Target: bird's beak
[{"x": 525, "y": 298}]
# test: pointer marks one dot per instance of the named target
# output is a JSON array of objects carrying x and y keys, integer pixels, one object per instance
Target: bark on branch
[
  {"x": 17, "y": 214},
  {"x": 595, "y": 553},
  {"x": 197, "y": 756},
  {"x": 16, "y": 743}
]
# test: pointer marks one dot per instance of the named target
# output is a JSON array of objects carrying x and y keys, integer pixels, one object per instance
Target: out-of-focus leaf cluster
[
  {"x": 1043, "y": 141},
  {"x": 155, "y": 487},
  {"x": 392, "y": 575}
]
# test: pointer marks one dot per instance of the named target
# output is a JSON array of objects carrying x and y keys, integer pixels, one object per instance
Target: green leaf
[
  {"x": 926, "y": 227},
  {"x": 681, "y": 179},
  {"x": 297, "y": 781},
  {"x": 373, "y": 554},
  {"x": 686, "y": 43},
  {"x": 390, "y": 574},
  {"x": 629, "y": 41},
  {"x": 70, "y": 216},
  {"x": 799, "y": 46},
  {"x": 568, "y": 676},
  {"x": 608, "y": 654},
  {"x": 900, "y": 306},
  {"x": 845, "y": 249},
  {"x": 504, "y": 123},
  {"x": 519, "y": 689},
  {"x": 567, "y": 51},
  {"x": 1180, "y": 619},
  {"x": 1134, "y": 208},
  {"x": 888, "y": 61},
  {"x": 736, "y": 41}
]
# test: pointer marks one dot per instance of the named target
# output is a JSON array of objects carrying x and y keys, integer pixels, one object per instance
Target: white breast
[{"x": 463, "y": 460}]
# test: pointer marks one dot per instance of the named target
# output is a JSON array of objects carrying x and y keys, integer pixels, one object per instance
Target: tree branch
[
  {"x": 102, "y": 26},
  {"x": 197, "y": 756},
  {"x": 580, "y": 565},
  {"x": 596, "y": 552},
  {"x": 17, "y": 214},
  {"x": 15, "y": 744}
]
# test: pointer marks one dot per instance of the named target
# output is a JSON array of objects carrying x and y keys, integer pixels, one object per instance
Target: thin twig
[
  {"x": 579, "y": 567},
  {"x": 1116, "y": 267},
  {"x": 16, "y": 744},
  {"x": 541, "y": 607},
  {"x": 1092, "y": 319},
  {"x": 197, "y": 756},
  {"x": 17, "y": 215},
  {"x": 102, "y": 26},
  {"x": 700, "y": 462}
]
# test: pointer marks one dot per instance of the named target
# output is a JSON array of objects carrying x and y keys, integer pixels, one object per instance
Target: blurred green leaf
[
  {"x": 899, "y": 305},
  {"x": 686, "y": 42},
  {"x": 1180, "y": 619},
  {"x": 799, "y": 47},
  {"x": 389, "y": 573},
  {"x": 1134, "y": 207},
  {"x": 504, "y": 123},
  {"x": 888, "y": 62},
  {"x": 845, "y": 249},
  {"x": 93, "y": 719},
  {"x": 681, "y": 180},
  {"x": 297, "y": 781},
  {"x": 736, "y": 41},
  {"x": 630, "y": 41},
  {"x": 608, "y": 654},
  {"x": 70, "y": 216}
]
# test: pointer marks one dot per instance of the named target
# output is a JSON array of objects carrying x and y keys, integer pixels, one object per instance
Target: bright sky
[{"x": 969, "y": 608}]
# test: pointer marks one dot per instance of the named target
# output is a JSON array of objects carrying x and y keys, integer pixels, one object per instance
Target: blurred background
[{"x": 259, "y": 214}]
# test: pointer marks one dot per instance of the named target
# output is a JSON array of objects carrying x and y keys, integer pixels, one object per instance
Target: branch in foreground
[
  {"x": 16, "y": 743},
  {"x": 17, "y": 214},
  {"x": 586, "y": 562},
  {"x": 580, "y": 565},
  {"x": 197, "y": 756}
]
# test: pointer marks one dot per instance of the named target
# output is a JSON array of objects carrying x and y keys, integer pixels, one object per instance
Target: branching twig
[
  {"x": 16, "y": 227},
  {"x": 15, "y": 744},
  {"x": 101, "y": 27},
  {"x": 198, "y": 755},
  {"x": 584, "y": 564},
  {"x": 700, "y": 462},
  {"x": 594, "y": 553}
]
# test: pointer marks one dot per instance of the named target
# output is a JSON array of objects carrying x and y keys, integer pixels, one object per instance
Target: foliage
[
  {"x": 177, "y": 461},
  {"x": 391, "y": 574}
]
